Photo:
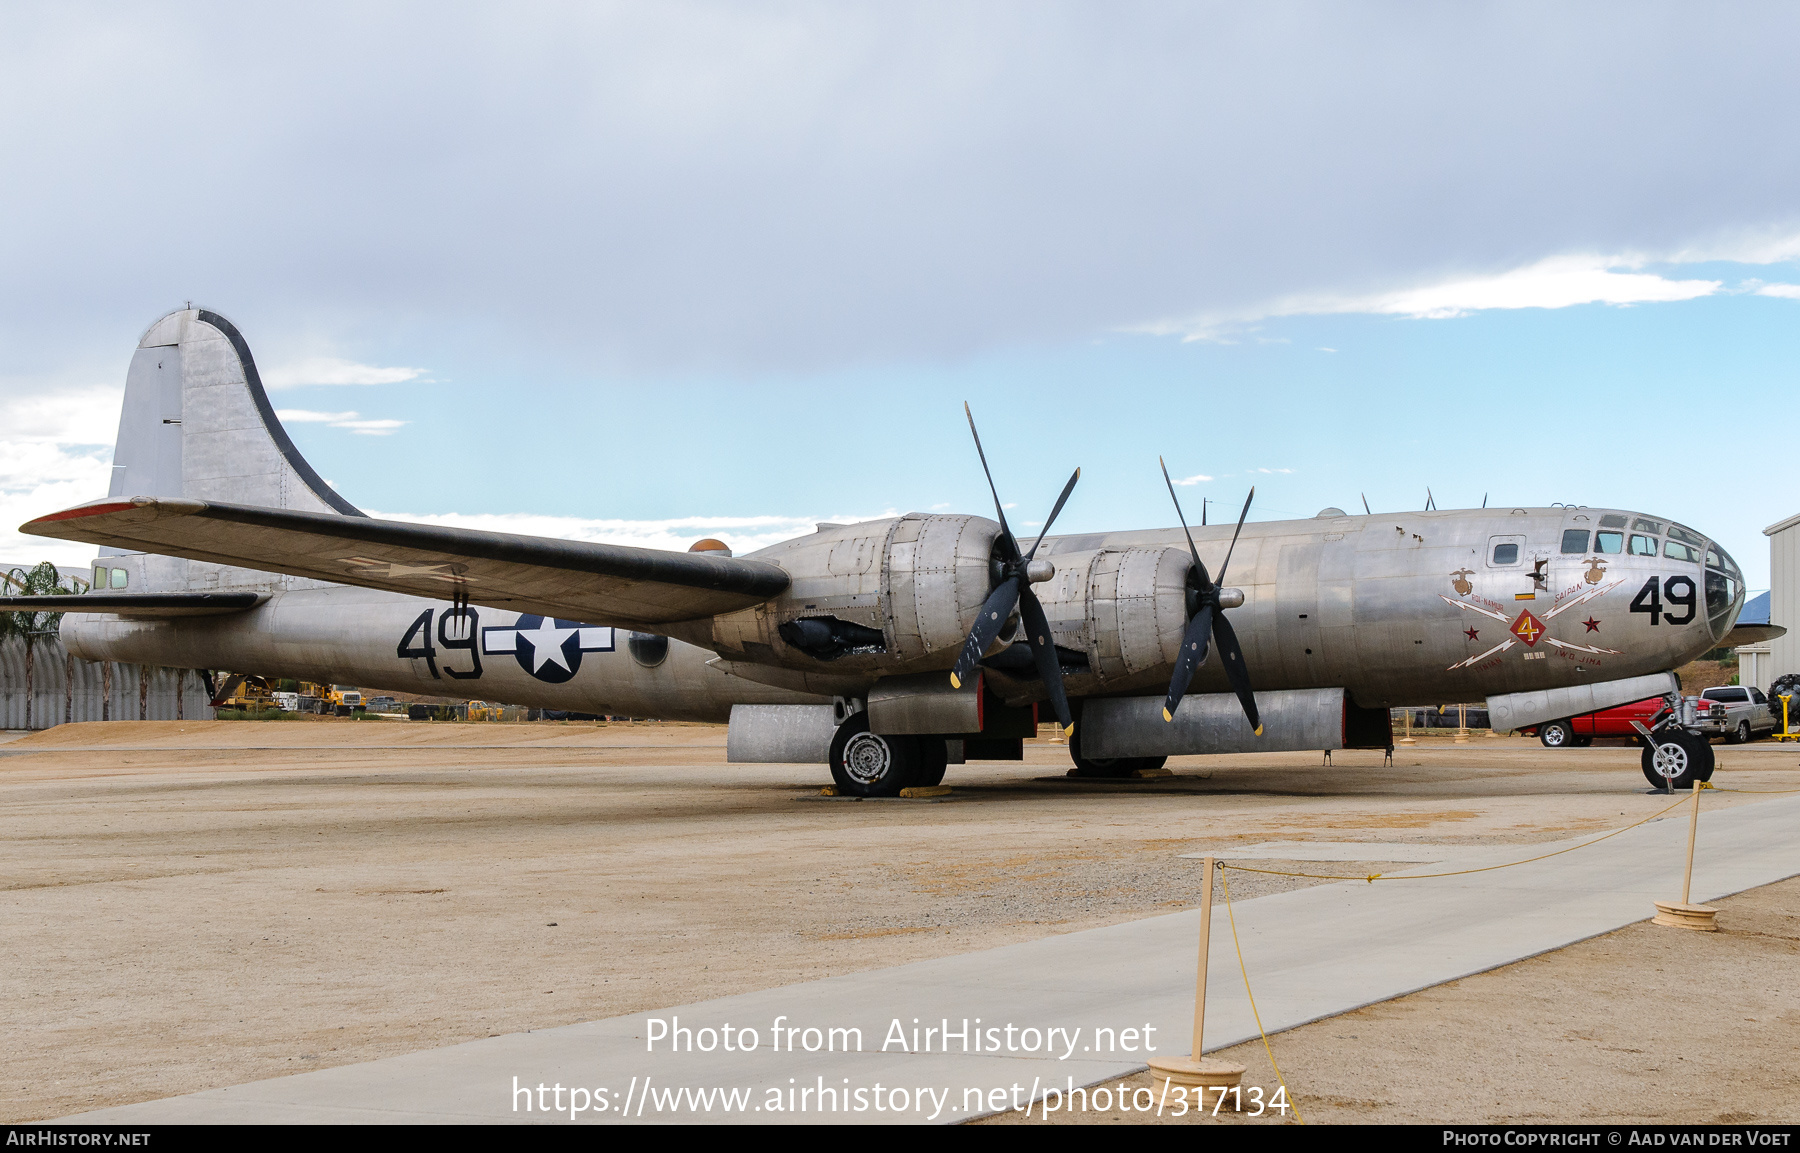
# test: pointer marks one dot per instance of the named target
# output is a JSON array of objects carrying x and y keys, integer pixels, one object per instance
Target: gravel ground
[{"x": 189, "y": 905}]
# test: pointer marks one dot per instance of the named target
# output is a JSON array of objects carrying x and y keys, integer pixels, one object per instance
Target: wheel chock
[{"x": 916, "y": 792}]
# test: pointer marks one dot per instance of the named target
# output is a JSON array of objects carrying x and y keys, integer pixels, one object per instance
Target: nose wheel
[{"x": 1677, "y": 760}]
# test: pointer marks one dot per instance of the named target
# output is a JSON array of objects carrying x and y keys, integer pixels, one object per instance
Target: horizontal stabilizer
[
  {"x": 602, "y": 584},
  {"x": 138, "y": 606},
  {"x": 1751, "y": 635}
]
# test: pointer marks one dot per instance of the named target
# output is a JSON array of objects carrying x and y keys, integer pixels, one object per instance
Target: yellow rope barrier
[
  {"x": 1373, "y": 877},
  {"x": 1236, "y": 944}
]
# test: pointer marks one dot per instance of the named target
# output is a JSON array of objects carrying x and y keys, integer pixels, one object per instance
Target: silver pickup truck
[{"x": 1738, "y": 713}]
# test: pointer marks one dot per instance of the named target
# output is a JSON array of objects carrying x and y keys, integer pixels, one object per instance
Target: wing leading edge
[{"x": 602, "y": 584}]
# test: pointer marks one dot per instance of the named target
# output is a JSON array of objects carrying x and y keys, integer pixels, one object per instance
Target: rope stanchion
[
  {"x": 1373, "y": 877},
  {"x": 1254, "y": 1012}
]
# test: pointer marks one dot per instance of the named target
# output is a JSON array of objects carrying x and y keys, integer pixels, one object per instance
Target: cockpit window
[
  {"x": 1609, "y": 542},
  {"x": 1643, "y": 545},
  {"x": 1718, "y": 558},
  {"x": 1612, "y": 520},
  {"x": 1685, "y": 535},
  {"x": 1642, "y": 525},
  {"x": 1574, "y": 541},
  {"x": 1675, "y": 550}
]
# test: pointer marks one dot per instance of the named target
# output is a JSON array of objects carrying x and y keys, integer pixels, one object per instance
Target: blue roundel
[{"x": 549, "y": 648}]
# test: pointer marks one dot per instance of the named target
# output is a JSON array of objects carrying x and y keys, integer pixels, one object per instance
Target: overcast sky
[{"x": 640, "y": 272}]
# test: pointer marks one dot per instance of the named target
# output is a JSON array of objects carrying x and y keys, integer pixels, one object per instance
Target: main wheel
[
  {"x": 1677, "y": 761},
  {"x": 1110, "y": 768},
  {"x": 865, "y": 764},
  {"x": 1556, "y": 734},
  {"x": 934, "y": 758}
]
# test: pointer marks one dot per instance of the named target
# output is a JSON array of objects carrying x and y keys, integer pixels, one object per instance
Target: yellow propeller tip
[
  {"x": 954, "y": 682},
  {"x": 1167, "y": 715},
  {"x": 1259, "y": 730}
]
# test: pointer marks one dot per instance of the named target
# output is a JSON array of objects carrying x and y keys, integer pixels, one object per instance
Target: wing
[
  {"x": 603, "y": 584},
  {"x": 138, "y": 606}
]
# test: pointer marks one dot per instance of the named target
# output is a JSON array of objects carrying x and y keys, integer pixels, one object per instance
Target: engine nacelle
[
  {"x": 883, "y": 596},
  {"x": 1134, "y": 611}
]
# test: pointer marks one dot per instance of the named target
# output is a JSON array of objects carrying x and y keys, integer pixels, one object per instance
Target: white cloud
[
  {"x": 332, "y": 370},
  {"x": 307, "y": 416},
  {"x": 1272, "y": 471},
  {"x": 1789, "y": 291},
  {"x": 1554, "y": 282},
  {"x": 742, "y": 534},
  {"x": 1195, "y": 479},
  {"x": 340, "y": 420}
]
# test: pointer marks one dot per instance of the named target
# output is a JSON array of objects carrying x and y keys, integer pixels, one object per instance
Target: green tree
[{"x": 41, "y": 580}]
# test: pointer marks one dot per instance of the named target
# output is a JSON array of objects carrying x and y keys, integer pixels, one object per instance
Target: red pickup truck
[{"x": 1581, "y": 731}]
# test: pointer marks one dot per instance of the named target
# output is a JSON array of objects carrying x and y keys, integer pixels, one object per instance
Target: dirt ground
[{"x": 195, "y": 904}]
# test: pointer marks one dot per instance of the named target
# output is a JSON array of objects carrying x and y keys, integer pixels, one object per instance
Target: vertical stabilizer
[{"x": 197, "y": 424}]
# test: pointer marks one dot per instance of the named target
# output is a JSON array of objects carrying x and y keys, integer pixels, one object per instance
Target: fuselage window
[
  {"x": 1574, "y": 540},
  {"x": 1677, "y": 551},
  {"x": 1642, "y": 525},
  {"x": 99, "y": 578},
  {"x": 1609, "y": 542},
  {"x": 1643, "y": 545},
  {"x": 1612, "y": 520},
  {"x": 119, "y": 577},
  {"x": 1506, "y": 554}
]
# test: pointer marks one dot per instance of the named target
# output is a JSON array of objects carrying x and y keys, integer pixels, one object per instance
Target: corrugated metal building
[
  {"x": 61, "y": 688},
  {"x": 1760, "y": 664}
]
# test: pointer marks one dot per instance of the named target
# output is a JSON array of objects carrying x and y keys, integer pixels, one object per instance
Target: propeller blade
[
  {"x": 982, "y": 453},
  {"x": 1060, "y": 501},
  {"x": 1043, "y": 648},
  {"x": 1234, "y": 533},
  {"x": 1235, "y": 669},
  {"x": 1205, "y": 581},
  {"x": 1193, "y": 651},
  {"x": 994, "y": 611},
  {"x": 1365, "y": 497}
]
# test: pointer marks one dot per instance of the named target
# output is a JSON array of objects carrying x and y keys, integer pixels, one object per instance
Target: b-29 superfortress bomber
[{"x": 888, "y": 648}]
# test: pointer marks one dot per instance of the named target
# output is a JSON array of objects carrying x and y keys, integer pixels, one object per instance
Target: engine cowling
[
  {"x": 1134, "y": 610},
  {"x": 886, "y": 596}
]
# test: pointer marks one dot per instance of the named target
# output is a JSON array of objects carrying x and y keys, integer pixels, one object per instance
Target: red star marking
[
  {"x": 1472, "y": 634},
  {"x": 1593, "y": 625},
  {"x": 1528, "y": 628}
]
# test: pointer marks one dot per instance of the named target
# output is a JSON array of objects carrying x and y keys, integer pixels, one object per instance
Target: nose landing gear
[{"x": 1677, "y": 759}]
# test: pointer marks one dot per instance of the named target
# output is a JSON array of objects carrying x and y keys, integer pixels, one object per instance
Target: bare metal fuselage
[{"x": 1408, "y": 608}]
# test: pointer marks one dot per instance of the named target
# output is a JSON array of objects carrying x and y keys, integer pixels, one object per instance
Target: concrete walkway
[{"x": 1311, "y": 953}]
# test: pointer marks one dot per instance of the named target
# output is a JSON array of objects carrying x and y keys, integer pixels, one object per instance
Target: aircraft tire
[
  {"x": 1555, "y": 734},
  {"x": 864, "y": 764},
  {"x": 1113, "y": 769},
  {"x": 1691, "y": 756},
  {"x": 934, "y": 758}
]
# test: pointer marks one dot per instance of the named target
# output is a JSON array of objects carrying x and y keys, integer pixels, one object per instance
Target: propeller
[
  {"x": 1208, "y": 621},
  {"x": 1014, "y": 589}
]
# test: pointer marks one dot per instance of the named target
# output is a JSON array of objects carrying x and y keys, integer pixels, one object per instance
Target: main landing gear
[
  {"x": 866, "y": 764},
  {"x": 1112, "y": 768}
]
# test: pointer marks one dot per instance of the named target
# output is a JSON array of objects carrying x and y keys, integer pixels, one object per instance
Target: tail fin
[{"x": 197, "y": 424}]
